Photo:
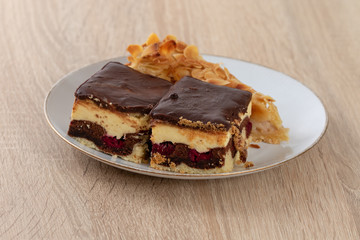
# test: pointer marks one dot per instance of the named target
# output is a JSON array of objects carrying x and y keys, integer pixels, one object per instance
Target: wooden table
[{"x": 50, "y": 190}]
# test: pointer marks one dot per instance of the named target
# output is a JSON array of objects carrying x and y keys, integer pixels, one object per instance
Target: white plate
[{"x": 300, "y": 109}]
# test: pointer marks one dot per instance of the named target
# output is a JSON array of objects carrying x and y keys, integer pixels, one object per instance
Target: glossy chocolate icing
[
  {"x": 122, "y": 88},
  {"x": 196, "y": 100}
]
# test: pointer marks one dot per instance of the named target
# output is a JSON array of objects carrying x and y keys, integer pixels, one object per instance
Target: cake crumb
[
  {"x": 158, "y": 158},
  {"x": 248, "y": 164},
  {"x": 200, "y": 125},
  {"x": 254, "y": 146}
]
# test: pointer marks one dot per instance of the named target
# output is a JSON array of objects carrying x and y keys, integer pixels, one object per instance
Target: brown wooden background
[{"x": 49, "y": 190}]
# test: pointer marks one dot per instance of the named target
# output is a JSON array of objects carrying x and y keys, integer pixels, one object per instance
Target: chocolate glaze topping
[
  {"x": 120, "y": 87},
  {"x": 195, "y": 100}
]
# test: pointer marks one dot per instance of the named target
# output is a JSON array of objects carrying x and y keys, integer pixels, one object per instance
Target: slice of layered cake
[
  {"x": 198, "y": 127},
  {"x": 111, "y": 111}
]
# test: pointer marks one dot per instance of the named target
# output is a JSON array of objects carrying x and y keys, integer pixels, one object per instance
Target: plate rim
[{"x": 175, "y": 175}]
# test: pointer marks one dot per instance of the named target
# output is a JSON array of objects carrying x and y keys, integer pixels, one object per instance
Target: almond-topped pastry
[
  {"x": 198, "y": 127},
  {"x": 172, "y": 59},
  {"x": 111, "y": 111}
]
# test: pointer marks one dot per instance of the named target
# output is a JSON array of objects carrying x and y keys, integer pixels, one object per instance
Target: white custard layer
[
  {"x": 201, "y": 141},
  {"x": 115, "y": 123}
]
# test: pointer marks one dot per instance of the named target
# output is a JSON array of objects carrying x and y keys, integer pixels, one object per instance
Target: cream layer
[
  {"x": 201, "y": 141},
  {"x": 115, "y": 123}
]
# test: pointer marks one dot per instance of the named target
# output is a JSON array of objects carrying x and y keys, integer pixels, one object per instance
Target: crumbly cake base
[{"x": 138, "y": 155}]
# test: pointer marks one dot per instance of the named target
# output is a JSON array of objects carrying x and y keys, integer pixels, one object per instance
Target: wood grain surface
[{"x": 48, "y": 190}]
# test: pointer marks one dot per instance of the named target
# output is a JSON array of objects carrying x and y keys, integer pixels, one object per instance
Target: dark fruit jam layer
[
  {"x": 109, "y": 144},
  {"x": 247, "y": 125},
  {"x": 180, "y": 153}
]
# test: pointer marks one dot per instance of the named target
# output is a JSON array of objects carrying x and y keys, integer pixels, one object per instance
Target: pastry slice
[
  {"x": 111, "y": 111},
  {"x": 200, "y": 128}
]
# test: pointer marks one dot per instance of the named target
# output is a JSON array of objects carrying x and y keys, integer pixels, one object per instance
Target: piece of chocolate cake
[
  {"x": 111, "y": 111},
  {"x": 198, "y": 127}
]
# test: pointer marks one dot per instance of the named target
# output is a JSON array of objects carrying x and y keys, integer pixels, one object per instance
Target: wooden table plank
[{"x": 49, "y": 190}]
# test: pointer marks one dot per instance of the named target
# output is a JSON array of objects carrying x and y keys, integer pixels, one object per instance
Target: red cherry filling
[
  {"x": 248, "y": 128},
  {"x": 195, "y": 156},
  {"x": 113, "y": 141},
  {"x": 165, "y": 148}
]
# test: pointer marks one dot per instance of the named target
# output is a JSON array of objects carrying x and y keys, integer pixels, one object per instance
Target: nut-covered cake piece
[
  {"x": 111, "y": 111},
  {"x": 198, "y": 127}
]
